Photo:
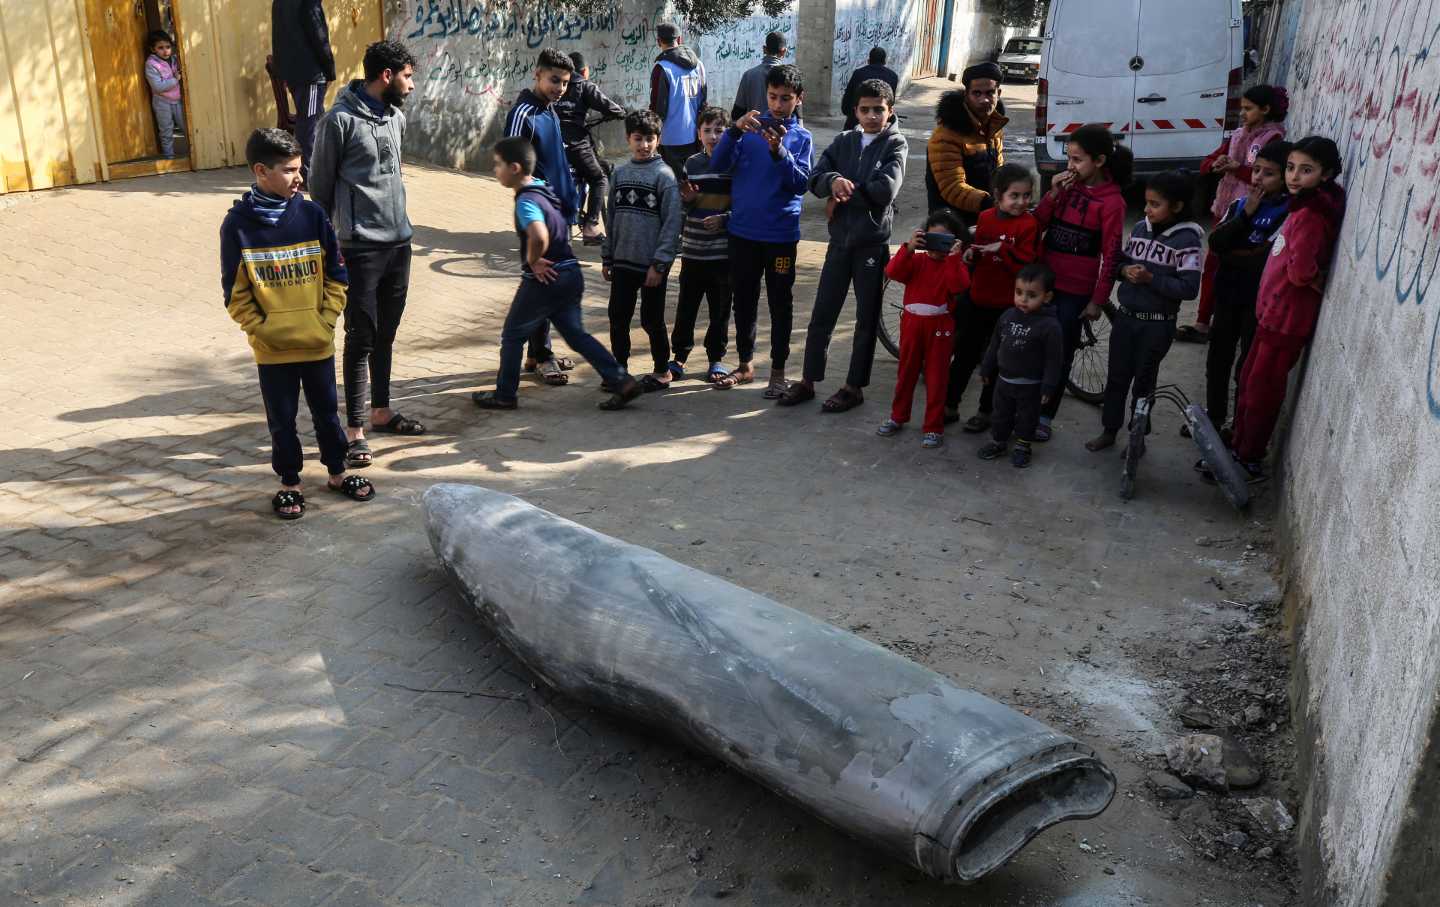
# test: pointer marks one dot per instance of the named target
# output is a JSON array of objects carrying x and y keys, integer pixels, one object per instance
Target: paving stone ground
[{"x": 201, "y": 705}]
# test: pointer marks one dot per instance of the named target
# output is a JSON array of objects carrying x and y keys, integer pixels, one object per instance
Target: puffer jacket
[
  {"x": 1300, "y": 255},
  {"x": 961, "y": 159}
]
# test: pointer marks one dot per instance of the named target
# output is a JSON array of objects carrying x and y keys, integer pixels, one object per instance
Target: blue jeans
[{"x": 559, "y": 303}]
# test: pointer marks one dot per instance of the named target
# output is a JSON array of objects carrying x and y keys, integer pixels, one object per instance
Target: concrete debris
[
  {"x": 1197, "y": 758},
  {"x": 1169, "y": 787},
  {"x": 1242, "y": 771},
  {"x": 1269, "y": 814},
  {"x": 1236, "y": 839}
]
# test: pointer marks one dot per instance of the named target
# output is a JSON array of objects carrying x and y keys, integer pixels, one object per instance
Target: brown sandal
[
  {"x": 843, "y": 400},
  {"x": 796, "y": 394}
]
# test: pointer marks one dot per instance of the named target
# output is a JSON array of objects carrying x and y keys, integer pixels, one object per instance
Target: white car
[
  {"x": 1167, "y": 84},
  {"x": 1020, "y": 60}
]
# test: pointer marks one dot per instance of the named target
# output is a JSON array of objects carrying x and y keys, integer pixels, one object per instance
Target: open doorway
[{"x": 130, "y": 119}]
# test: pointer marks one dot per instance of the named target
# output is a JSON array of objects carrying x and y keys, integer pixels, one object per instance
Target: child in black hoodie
[{"x": 1026, "y": 354}]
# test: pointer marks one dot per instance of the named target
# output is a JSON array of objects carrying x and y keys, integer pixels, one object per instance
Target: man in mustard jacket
[{"x": 968, "y": 144}]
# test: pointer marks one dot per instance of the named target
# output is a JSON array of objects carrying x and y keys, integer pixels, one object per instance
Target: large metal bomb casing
[{"x": 891, "y": 752}]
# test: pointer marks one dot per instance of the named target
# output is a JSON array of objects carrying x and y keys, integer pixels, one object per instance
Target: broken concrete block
[
  {"x": 1169, "y": 787},
  {"x": 1270, "y": 815},
  {"x": 1198, "y": 758}
]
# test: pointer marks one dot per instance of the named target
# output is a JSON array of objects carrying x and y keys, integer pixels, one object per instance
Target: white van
[{"x": 1164, "y": 75}]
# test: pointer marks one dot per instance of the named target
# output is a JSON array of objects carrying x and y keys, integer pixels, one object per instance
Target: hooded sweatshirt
[
  {"x": 163, "y": 76},
  {"x": 1301, "y": 253},
  {"x": 677, "y": 92},
  {"x": 1026, "y": 349},
  {"x": 1083, "y": 228},
  {"x": 767, "y": 189},
  {"x": 1172, "y": 256},
  {"x": 642, "y": 222},
  {"x": 534, "y": 118},
  {"x": 1242, "y": 243},
  {"x": 751, "y": 93},
  {"x": 877, "y": 169},
  {"x": 355, "y": 171},
  {"x": 284, "y": 282},
  {"x": 1244, "y": 146}
]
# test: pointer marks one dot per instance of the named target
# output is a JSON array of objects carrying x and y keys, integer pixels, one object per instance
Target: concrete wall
[
  {"x": 863, "y": 24},
  {"x": 1362, "y": 463}
]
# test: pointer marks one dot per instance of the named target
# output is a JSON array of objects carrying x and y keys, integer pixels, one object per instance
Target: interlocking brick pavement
[{"x": 202, "y": 705}]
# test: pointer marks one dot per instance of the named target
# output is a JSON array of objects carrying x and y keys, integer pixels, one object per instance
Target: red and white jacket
[{"x": 1300, "y": 255}]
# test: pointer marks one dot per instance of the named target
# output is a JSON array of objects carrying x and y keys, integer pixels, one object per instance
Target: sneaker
[
  {"x": 1020, "y": 456},
  {"x": 1042, "y": 433},
  {"x": 976, "y": 423},
  {"x": 488, "y": 400},
  {"x": 990, "y": 450},
  {"x": 888, "y": 428},
  {"x": 932, "y": 439}
]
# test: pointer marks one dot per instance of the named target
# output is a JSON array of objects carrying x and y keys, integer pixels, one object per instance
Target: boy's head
[
  {"x": 1034, "y": 287},
  {"x": 513, "y": 161},
  {"x": 553, "y": 71},
  {"x": 877, "y": 56},
  {"x": 775, "y": 45},
  {"x": 875, "y": 101},
  {"x": 1267, "y": 175},
  {"x": 943, "y": 220},
  {"x": 274, "y": 159},
  {"x": 582, "y": 70},
  {"x": 389, "y": 71},
  {"x": 667, "y": 35},
  {"x": 642, "y": 133},
  {"x": 784, "y": 90},
  {"x": 711, "y": 126},
  {"x": 1167, "y": 196},
  {"x": 1012, "y": 188},
  {"x": 159, "y": 44}
]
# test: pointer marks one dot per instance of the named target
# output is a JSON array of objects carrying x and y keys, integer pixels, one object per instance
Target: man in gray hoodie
[
  {"x": 859, "y": 175},
  {"x": 355, "y": 176}
]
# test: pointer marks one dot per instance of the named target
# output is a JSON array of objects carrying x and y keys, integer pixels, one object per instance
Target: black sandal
[
  {"x": 399, "y": 425},
  {"x": 843, "y": 400},
  {"x": 357, "y": 454},
  {"x": 351, "y": 486},
  {"x": 796, "y": 394},
  {"x": 287, "y": 498},
  {"x": 649, "y": 384}
]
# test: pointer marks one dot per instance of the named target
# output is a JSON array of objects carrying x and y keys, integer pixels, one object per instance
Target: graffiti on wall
[
  {"x": 475, "y": 57},
  {"x": 1365, "y": 73},
  {"x": 861, "y": 25}
]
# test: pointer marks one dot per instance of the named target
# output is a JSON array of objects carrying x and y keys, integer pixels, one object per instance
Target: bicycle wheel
[
  {"x": 1228, "y": 474},
  {"x": 1139, "y": 428},
  {"x": 891, "y": 305},
  {"x": 1086, "y": 380}
]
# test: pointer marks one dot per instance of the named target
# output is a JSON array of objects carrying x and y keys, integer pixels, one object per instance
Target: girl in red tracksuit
[
  {"x": 1083, "y": 216},
  {"x": 1288, "y": 305},
  {"x": 933, "y": 278}
]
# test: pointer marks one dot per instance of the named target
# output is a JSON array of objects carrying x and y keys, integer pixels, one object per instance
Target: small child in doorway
[
  {"x": 163, "y": 75},
  {"x": 704, "y": 252},
  {"x": 284, "y": 281},
  {"x": 1025, "y": 362},
  {"x": 932, "y": 269},
  {"x": 1159, "y": 269},
  {"x": 642, "y": 235},
  {"x": 1007, "y": 238}
]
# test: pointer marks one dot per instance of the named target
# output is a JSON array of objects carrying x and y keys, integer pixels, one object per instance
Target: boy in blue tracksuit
[
  {"x": 768, "y": 156},
  {"x": 533, "y": 118}
]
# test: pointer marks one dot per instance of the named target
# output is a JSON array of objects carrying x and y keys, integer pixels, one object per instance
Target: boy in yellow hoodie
[{"x": 284, "y": 281}]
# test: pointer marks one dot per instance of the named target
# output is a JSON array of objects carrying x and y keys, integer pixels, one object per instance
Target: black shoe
[
  {"x": 952, "y": 415},
  {"x": 625, "y": 391},
  {"x": 488, "y": 400},
  {"x": 990, "y": 450},
  {"x": 1020, "y": 456},
  {"x": 976, "y": 423}
]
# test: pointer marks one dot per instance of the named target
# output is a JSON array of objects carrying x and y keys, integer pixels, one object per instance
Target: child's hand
[
  {"x": 1044, "y": 399},
  {"x": 544, "y": 270},
  {"x": 1062, "y": 180},
  {"x": 959, "y": 248},
  {"x": 1222, "y": 164},
  {"x": 842, "y": 189},
  {"x": 605, "y": 272},
  {"x": 714, "y": 223},
  {"x": 774, "y": 135},
  {"x": 1091, "y": 312},
  {"x": 917, "y": 241},
  {"x": 969, "y": 254},
  {"x": 990, "y": 249},
  {"x": 652, "y": 277},
  {"x": 688, "y": 191},
  {"x": 1139, "y": 274},
  {"x": 1127, "y": 273},
  {"x": 1252, "y": 203},
  {"x": 750, "y": 122}
]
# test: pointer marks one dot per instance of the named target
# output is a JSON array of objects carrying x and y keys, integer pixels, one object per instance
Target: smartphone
[
  {"x": 769, "y": 122},
  {"x": 937, "y": 242}
]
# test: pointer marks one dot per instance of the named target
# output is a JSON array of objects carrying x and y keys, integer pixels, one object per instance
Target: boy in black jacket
[
  {"x": 581, "y": 97},
  {"x": 860, "y": 175},
  {"x": 1026, "y": 354}
]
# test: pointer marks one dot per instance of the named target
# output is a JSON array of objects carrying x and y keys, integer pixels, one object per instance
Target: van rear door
[
  {"x": 1088, "y": 57},
  {"x": 1185, "y": 63}
]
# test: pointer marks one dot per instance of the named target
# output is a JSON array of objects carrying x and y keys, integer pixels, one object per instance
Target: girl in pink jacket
[
  {"x": 163, "y": 76},
  {"x": 1083, "y": 217},
  {"x": 1262, "y": 121}
]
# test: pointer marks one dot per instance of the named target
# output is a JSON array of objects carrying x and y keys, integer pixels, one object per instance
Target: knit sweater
[
  {"x": 696, "y": 242},
  {"x": 642, "y": 223},
  {"x": 284, "y": 283},
  {"x": 1084, "y": 226},
  {"x": 992, "y": 284},
  {"x": 1172, "y": 256}
]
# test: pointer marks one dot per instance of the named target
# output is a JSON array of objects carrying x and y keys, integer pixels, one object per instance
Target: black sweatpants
[
  {"x": 379, "y": 282},
  {"x": 1068, "y": 307},
  {"x": 1017, "y": 411},
  {"x": 624, "y": 286},
  {"x": 280, "y": 387},
  {"x": 1232, "y": 325},
  {"x": 974, "y": 326},
  {"x": 590, "y": 170},
  {"x": 864, "y": 267},
  {"x": 1136, "y": 350},
  {"x": 775, "y": 262},
  {"x": 708, "y": 280}
]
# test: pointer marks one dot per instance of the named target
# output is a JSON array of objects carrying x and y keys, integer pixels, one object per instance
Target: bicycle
[
  {"x": 1086, "y": 380},
  {"x": 1213, "y": 453}
]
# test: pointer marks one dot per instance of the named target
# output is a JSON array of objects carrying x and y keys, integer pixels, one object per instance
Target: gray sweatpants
[{"x": 169, "y": 119}]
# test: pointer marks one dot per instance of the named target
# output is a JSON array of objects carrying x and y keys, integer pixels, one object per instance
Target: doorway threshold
[{"x": 148, "y": 167}]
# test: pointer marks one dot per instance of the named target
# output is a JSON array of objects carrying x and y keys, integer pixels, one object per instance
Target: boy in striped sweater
[{"x": 704, "y": 253}]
